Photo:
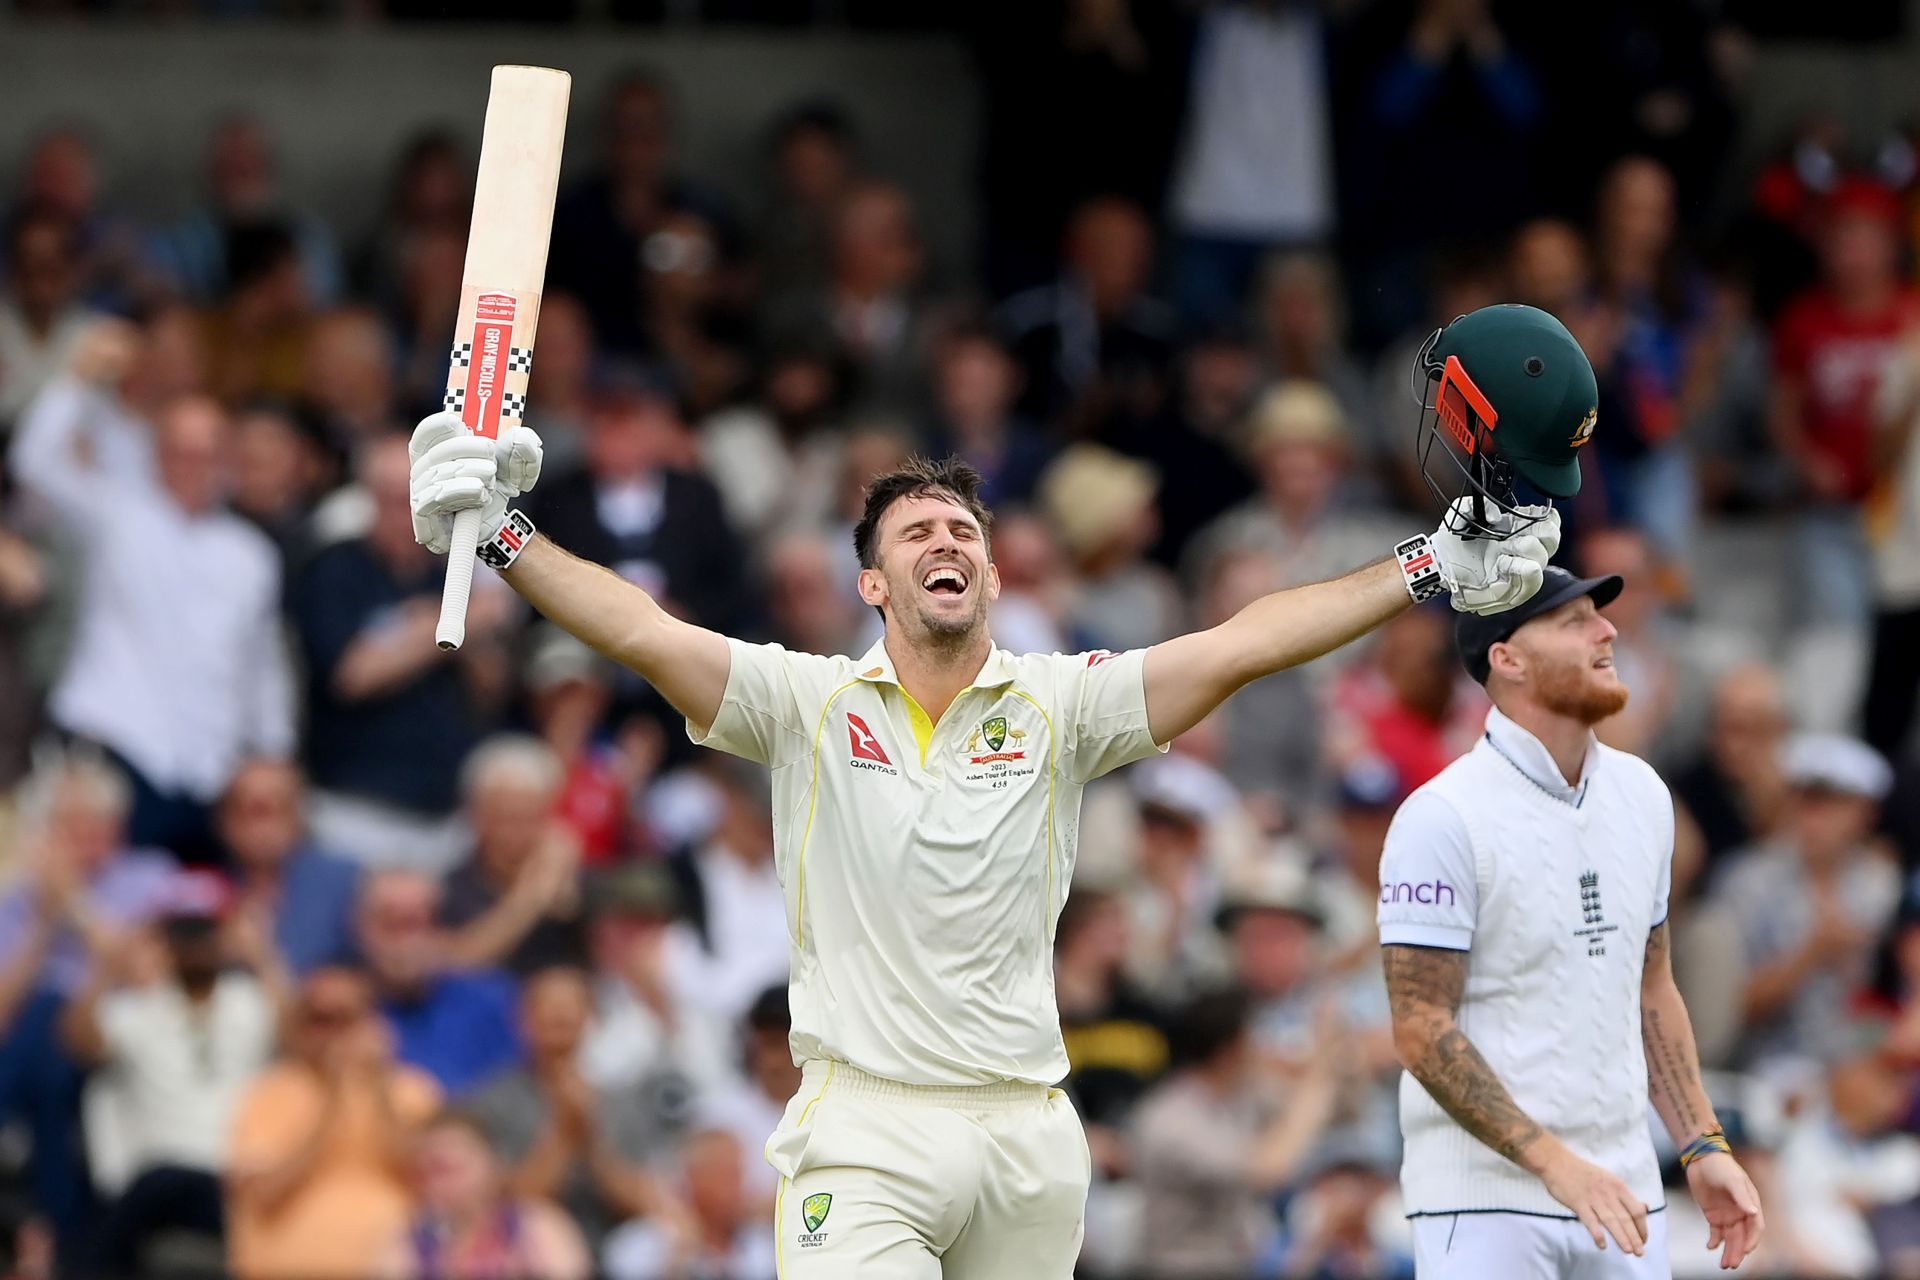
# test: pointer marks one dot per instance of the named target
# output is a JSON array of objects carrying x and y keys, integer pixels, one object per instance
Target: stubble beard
[{"x": 1572, "y": 692}]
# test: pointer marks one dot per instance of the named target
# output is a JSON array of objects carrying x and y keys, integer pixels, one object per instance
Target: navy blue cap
[{"x": 1474, "y": 634}]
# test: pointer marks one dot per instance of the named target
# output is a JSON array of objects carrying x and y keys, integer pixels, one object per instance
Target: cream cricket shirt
[{"x": 924, "y": 865}]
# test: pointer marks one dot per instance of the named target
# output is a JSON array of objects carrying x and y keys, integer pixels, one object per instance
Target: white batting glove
[
  {"x": 1492, "y": 575},
  {"x": 455, "y": 470}
]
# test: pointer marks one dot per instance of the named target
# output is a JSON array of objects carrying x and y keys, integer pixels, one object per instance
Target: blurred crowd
[{"x": 325, "y": 953}]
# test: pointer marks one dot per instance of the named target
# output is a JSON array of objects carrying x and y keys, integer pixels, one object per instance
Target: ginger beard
[{"x": 1577, "y": 681}]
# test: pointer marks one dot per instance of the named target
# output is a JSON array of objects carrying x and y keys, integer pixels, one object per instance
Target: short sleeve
[
  {"x": 1663, "y": 882},
  {"x": 762, "y": 715},
  {"x": 1429, "y": 894},
  {"x": 1104, "y": 697}
]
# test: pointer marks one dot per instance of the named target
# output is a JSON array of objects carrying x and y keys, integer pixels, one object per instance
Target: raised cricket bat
[{"x": 500, "y": 290}]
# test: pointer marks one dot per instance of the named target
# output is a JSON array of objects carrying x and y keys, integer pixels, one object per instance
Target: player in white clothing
[
  {"x": 1523, "y": 923},
  {"x": 926, "y": 807}
]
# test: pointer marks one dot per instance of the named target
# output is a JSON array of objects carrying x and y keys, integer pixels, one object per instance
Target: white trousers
[
  {"x": 885, "y": 1181},
  {"x": 1520, "y": 1246}
]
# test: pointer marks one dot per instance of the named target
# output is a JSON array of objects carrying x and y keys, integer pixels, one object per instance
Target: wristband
[
  {"x": 1713, "y": 1141},
  {"x": 1420, "y": 566},
  {"x": 504, "y": 547}
]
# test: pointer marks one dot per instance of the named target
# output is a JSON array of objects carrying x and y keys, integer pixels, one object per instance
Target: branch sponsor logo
[
  {"x": 867, "y": 753},
  {"x": 1428, "y": 893}
]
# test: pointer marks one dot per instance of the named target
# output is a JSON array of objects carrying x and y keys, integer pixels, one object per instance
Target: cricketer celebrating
[
  {"x": 1523, "y": 920},
  {"x": 926, "y": 806}
]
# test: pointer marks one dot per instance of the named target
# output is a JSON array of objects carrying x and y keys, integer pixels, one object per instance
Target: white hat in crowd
[{"x": 1836, "y": 762}]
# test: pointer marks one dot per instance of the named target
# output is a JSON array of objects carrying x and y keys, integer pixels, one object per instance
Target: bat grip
[{"x": 452, "y": 631}]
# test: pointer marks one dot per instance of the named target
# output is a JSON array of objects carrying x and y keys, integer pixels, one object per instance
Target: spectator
[
  {"x": 347, "y": 381},
  {"x": 807, "y": 599},
  {"x": 1450, "y": 79},
  {"x": 422, "y": 313},
  {"x": 813, "y": 164},
  {"x": 60, "y": 174},
  {"x": 177, "y": 717},
  {"x": 600, "y": 224},
  {"x": 558, "y": 399},
  {"x": 243, "y": 191},
  {"x": 390, "y": 716},
  {"x": 737, "y": 903},
  {"x": 777, "y": 461},
  {"x": 1302, "y": 340},
  {"x": 1033, "y": 613},
  {"x": 1305, "y": 517},
  {"x": 1832, "y": 347},
  {"x": 1735, "y": 792},
  {"x": 1275, "y": 922},
  {"x": 82, "y": 885},
  {"x": 870, "y": 310},
  {"x": 1893, "y": 682},
  {"x": 749, "y": 1104},
  {"x": 1366, "y": 794},
  {"x": 1256, "y": 165},
  {"x": 1102, "y": 507},
  {"x": 316, "y": 1169},
  {"x": 515, "y": 900},
  {"x": 1332, "y": 1221},
  {"x": 279, "y": 473},
  {"x": 725, "y": 1237},
  {"x": 257, "y": 336},
  {"x": 1220, "y": 1138},
  {"x": 472, "y": 1224},
  {"x": 282, "y": 877},
  {"x": 634, "y": 510},
  {"x": 690, "y": 320},
  {"x": 1093, "y": 346},
  {"x": 38, "y": 592},
  {"x": 1182, "y": 804},
  {"x": 569, "y": 689},
  {"x": 644, "y": 1040},
  {"x": 1658, "y": 302},
  {"x": 1115, "y": 1037},
  {"x": 1843, "y": 1164},
  {"x": 431, "y": 190},
  {"x": 1813, "y": 900},
  {"x": 975, "y": 383},
  {"x": 456, "y": 1026},
  {"x": 1195, "y": 440},
  {"x": 1407, "y": 702},
  {"x": 1273, "y": 727},
  {"x": 561, "y": 1139},
  {"x": 41, "y": 314},
  {"x": 173, "y": 1057}
]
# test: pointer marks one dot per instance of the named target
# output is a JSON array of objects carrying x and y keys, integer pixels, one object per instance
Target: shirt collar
[
  {"x": 876, "y": 667},
  {"x": 1531, "y": 757}
]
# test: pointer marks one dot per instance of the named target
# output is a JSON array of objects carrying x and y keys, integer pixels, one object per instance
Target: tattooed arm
[
  {"x": 1424, "y": 986},
  {"x": 1673, "y": 1064}
]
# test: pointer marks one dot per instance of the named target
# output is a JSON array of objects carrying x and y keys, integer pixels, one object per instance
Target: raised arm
[
  {"x": 1188, "y": 676},
  {"x": 455, "y": 471},
  {"x": 686, "y": 663},
  {"x": 1424, "y": 988}
]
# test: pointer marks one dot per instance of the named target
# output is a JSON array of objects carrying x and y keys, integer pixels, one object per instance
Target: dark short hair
[
  {"x": 919, "y": 478},
  {"x": 1208, "y": 1024}
]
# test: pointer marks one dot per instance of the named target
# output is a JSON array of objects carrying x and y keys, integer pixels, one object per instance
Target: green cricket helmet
[{"x": 1507, "y": 398}]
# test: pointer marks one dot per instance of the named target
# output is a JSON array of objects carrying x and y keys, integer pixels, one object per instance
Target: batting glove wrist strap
[
  {"x": 1420, "y": 567},
  {"x": 1712, "y": 1142},
  {"x": 505, "y": 546}
]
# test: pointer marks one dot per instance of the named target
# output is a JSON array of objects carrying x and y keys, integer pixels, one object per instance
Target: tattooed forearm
[
  {"x": 1424, "y": 985},
  {"x": 1666, "y": 1033}
]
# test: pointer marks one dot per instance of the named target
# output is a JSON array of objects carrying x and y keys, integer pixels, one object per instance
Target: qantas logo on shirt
[{"x": 867, "y": 751}]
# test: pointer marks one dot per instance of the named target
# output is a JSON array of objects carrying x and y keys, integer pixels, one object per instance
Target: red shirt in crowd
[{"x": 1838, "y": 358}]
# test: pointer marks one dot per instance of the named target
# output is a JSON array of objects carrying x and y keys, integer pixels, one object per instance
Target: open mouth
[
  {"x": 1603, "y": 664},
  {"x": 945, "y": 581}
]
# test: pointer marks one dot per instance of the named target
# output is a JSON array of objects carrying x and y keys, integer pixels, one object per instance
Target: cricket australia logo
[
  {"x": 1593, "y": 916},
  {"x": 994, "y": 734},
  {"x": 813, "y": 1214}
]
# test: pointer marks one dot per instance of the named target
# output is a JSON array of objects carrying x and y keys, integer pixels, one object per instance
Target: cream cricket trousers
[
  {"x": 885, "y": 1181},
  {"x": 1521, "y": 1246}
]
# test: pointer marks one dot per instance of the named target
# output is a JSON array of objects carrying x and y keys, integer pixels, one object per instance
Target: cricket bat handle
[{"x": 452, "y": 631}]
